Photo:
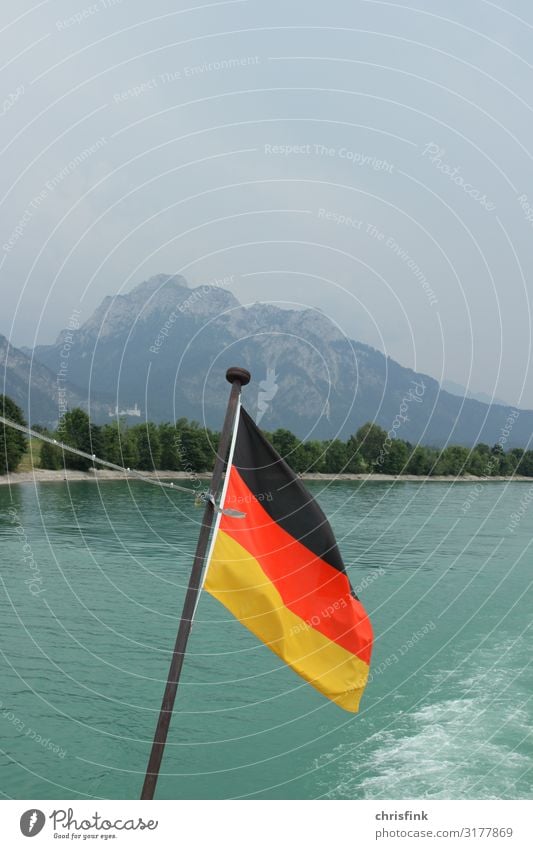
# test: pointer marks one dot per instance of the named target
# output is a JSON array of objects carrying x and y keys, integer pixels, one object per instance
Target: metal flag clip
[{"x": 227, "y": 511}]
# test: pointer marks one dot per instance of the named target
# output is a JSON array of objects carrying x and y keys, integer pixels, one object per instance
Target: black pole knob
[{"x": 240, "y": 374}]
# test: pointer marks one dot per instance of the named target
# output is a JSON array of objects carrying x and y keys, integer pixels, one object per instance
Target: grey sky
[{"x": 231, "y": 138}]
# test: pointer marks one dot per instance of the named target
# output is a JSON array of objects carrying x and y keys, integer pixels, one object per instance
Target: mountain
[
  {"x": 36, "y": 388},
  {"x": 166, "y": 346},
  {"x": 463, "y": 392}
]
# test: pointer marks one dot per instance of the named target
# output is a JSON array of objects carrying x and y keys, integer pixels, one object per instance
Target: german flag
[{"x": 279, "y": 571}]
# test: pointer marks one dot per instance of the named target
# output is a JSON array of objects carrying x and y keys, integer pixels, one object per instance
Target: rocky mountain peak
[
  {"x": 159, "y": 282},
  {"x": 166, "y": 345}
]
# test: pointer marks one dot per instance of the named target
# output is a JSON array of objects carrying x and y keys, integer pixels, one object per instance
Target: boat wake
[{"x": 475, "y": 745}]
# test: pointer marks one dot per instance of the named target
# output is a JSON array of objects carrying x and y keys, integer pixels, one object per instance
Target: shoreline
[{"x": 103, "y": 475}]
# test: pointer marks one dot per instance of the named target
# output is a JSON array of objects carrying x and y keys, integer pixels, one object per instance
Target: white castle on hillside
[{"x": 131, "y": 411}]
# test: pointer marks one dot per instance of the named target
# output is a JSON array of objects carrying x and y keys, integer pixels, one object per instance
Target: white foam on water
[{"x": 472, "y": 746}]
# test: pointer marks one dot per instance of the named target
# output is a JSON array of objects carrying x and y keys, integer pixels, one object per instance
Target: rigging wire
[{"x": 202, "y": 496}]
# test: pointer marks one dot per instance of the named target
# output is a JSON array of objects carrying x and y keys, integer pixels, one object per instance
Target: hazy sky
[{"x": 372, "y": 159}]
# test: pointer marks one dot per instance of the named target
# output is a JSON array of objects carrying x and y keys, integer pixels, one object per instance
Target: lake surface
[{"x": 88, "y": 620}]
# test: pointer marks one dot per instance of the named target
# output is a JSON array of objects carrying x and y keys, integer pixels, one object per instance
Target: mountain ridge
[
  {"x": 35, "y": 387},
  {"x": 166, "y": 345}
]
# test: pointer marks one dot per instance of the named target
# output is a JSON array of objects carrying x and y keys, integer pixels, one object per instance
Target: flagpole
[{"x": 238, "y": 377}]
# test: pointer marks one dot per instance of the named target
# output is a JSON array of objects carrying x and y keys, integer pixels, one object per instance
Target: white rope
[{"x": 139, "y": 475}]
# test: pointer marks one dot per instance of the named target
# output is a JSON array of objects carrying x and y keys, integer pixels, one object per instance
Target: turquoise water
[{"x": 88, "y": 619}]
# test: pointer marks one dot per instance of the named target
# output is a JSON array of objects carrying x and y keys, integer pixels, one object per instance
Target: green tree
[
  {"x": 525, "y": 466},
  {"x": 452, "y": 461},
  {"x": 13, "y": 443},
  {"x": 478, "y": 463},
  {"x": 51, "y": 456},
  {"x": 355, "y": 463},
  {"x": 395, "y": 458},
  {"x": 76, "y": 430},
  {"x": 97, "y": 445},
  {"x": 508, "y": 464},
  {"x": 111, "y": 443},
  {"x": 335, "y": 456},
  {"x": 517, "y": 454},
  {"x": 170, "y": 455},
  {"x": 212, "y": 441},
  {"x": 286, "y": 444},
  {"x": 308, "y": 457},
  {"x": 494, "y": 460},
  {"x": 119, "y": 445},
  {"x": 368, "y": 442},
  {"x": 421, "y": 461},
  {"x": 148, "y": 446},
  {"x": 129, "y": 453},
  {"x": 513, "y": 459},
  {"x": 194, "y": 449}
]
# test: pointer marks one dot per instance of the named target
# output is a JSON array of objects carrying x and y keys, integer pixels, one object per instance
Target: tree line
[
  {"x": 183, "y": 446},
  {"x": 187, "y": 446},
  {"x": 13, "y": 443}
]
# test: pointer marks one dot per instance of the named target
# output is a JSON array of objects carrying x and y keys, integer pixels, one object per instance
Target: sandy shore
[
  {"x": 50, "y": 476},
  {"x": 100, "y": 475}
]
